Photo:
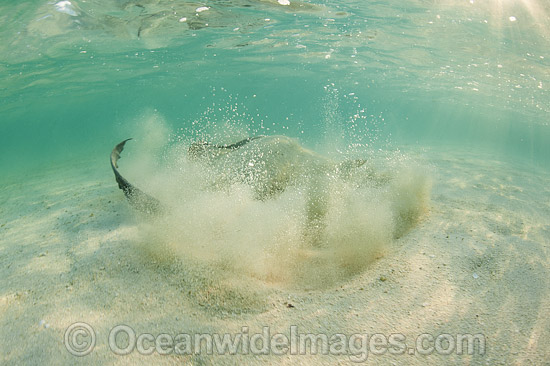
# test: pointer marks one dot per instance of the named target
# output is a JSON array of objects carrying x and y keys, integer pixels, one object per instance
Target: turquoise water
[
  {"x": 411, "y": 194},
  {"x": 75, "y": 75}
]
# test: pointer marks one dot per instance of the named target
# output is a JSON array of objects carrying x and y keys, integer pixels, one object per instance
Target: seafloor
[{"x": 478, "y": 263}]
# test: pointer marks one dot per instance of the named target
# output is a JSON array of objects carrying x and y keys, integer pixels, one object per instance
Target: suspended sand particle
[
  {"x": 201, "y": 9},
  {"x": 512, "y": 18},
  {"x": 184, "y": 19},
  {"x": 283, "y": 2}
]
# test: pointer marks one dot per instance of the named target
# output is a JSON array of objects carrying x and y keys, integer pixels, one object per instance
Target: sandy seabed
[{"x": 70, "y": 251}]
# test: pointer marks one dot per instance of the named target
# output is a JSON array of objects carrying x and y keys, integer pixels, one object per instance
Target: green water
[
  {"x": 339, "y": 231},
  {"x": 75, "y": 76}
]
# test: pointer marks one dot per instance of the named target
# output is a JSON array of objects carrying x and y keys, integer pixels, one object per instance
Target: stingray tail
[{"x": 137, "y": 198}]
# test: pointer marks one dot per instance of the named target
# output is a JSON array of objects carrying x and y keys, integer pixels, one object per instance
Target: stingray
[
  {"x": 267, "y": 164},
  {"x": 137, "y": 198},
  {"x": 143, "y": 201}
]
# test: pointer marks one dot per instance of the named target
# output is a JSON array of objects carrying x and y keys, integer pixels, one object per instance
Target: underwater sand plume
[{"x": 268, "y": 208}]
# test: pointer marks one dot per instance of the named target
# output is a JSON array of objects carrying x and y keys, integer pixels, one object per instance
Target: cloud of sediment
[{"x": 325, "y": 225}]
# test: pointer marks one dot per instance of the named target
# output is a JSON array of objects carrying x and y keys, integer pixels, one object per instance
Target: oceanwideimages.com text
[{"x": 80, "y": 340}]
